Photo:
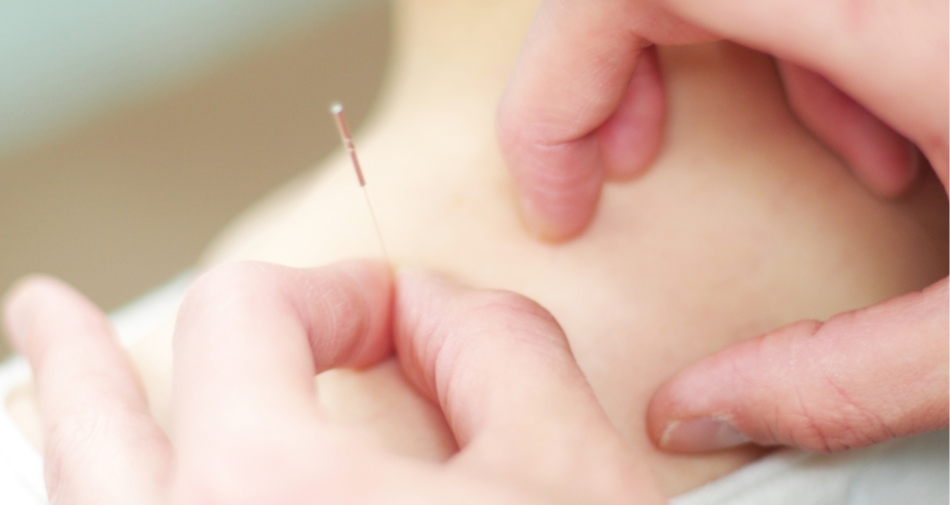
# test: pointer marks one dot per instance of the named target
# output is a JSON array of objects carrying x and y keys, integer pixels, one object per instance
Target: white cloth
[{"x": 909, "y": 471}]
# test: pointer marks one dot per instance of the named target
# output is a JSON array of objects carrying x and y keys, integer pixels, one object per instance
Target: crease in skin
[{"x": 660, "y": 278}]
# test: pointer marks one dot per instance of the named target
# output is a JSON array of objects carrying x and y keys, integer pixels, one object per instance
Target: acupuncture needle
[{"x": 337, "y": 110}]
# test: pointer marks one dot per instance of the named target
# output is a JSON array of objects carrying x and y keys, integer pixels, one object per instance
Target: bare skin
[
  {"x": 874, "y": 98},
  {"x": 743, "y": 223}
]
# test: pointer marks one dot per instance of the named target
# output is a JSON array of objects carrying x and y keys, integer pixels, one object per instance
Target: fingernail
[
  {"x": 541, "y": 228},
  {"x": 532, "y": 220},
  {"x": 701, "y": 435}
]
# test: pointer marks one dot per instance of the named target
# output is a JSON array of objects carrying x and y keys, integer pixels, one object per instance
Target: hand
[
  {"x": 580, "y": 106},
  {"x": 586, "y": 102},
  {"x": 247, "y": 425}
]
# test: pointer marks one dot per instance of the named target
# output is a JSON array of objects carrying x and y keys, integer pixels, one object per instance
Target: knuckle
[
  {"x": 228, "y": 278},
  {"x": 536, "y": 149},
  {"x": 822, "y": 431},
  {"x": 830, "y": 420},
  {"x": 504, "y": 318},
  {"x": 453, "y": 350},
  {"x": 74, "y": 321},
  {"x": 822, "y": 414},
  {"x": 507, "y": 310}
]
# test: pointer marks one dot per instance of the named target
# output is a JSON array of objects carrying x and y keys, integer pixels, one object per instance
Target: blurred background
[{"x": 131, "y": 132}]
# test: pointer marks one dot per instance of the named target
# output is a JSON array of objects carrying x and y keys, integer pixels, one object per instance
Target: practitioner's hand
[
  {"x": 586, "y": 102},
  {"x": 860, "y": 378},
  {"x": 247, "y": 425},
  {"x": 573, "y": 113}
]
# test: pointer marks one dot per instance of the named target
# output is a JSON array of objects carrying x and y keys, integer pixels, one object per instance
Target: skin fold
[{"x": 743, "y": 222}]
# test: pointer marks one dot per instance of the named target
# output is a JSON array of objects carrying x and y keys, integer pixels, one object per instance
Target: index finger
[
  {"x": 890, "y": 56},
  {"x": 101, "y": 444},
  {"x": 250, "y": 338},
  {"x": 585, "y": 102},
  {"x": 577, "y": 60},
  {"x": 502, "y": 370}
]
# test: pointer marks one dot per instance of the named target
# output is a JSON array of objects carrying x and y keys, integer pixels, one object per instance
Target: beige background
[{"x": 126, "y": 202}]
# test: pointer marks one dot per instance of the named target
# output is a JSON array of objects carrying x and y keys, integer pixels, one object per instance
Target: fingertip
[
  {"x": 819, "y": 386},
  {"x": 888, "y": 166},
  {"x": 416, "y": 277},
  {"x": 665, "y": 411},
  {"x": 375, "y": 284},
  {"x": 691, "y": 412},
  {"x": 560, "y": 214},
  {"x": 658, "y": 417},
  {"x": 370, "y": 270},
  {"x": 421, "y": 291},
  {"x": 24, "y": 299},
  {"x": 631, "y": 138},
  {"x": 420, "y": 287},
  {"x": 552, "y": 229},
  {"x": 701, "y": 434},
  {"x": 374, "y": 277},
  {"x": 357, "y": 290},
  {"x": 882, "y": 159},
  {"x": 558, "y": 177},
  {"x": 91, "y": 409},
  {"x": 420, "y": 309},
  {"x": 18, "y": 313}
]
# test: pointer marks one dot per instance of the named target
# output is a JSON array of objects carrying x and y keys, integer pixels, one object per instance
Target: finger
[
  {"x": 577, "y": 63},
  {"x": 101, "y": 445},
  {"x": 262, "y": 332},
  {"x": 630, "y": 138},
  {"x": 892, "y": 58},
  {"x": 249, "y": 339},
  {"x": 860, "y": 378},
  {"x": 574, "y": 68},
  {"x": 502, "y": 371},
  {"x": 880, "y": 157}
]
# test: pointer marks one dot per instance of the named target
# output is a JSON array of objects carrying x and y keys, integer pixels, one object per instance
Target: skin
[
  {"x": 248, "y": 427},
  {"x": 743, "y": 223},
  {"x": 555, "y": 128},
  {"x": 867, "y": 76}
]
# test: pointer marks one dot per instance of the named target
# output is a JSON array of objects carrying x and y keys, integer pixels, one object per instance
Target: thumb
[
  {"x": 502, "y": 370},
  {"x": 860, "y": 378}
]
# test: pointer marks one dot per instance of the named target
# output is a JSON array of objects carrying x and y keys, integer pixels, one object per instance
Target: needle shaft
[{"x": 347, "y": 138}]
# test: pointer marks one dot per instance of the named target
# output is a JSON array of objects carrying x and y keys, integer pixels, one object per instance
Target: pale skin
[
  {"x": 870, "y": 79},
  {"x": 743, "y": 223},
  {"x": 252, "y": 431}
]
